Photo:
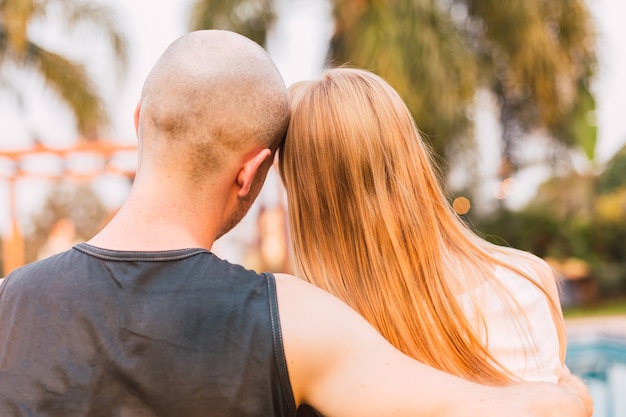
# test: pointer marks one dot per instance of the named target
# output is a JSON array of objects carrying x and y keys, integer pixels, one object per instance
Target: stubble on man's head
[{"x": 213, "y": 95}]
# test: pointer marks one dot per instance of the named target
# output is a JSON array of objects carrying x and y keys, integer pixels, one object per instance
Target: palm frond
[
  {"x": 14, "y": 18},
  {"x": 71, "y": 82}
]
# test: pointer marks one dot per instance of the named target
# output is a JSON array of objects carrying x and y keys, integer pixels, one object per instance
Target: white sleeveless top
[{"x": 513, "y": 344}]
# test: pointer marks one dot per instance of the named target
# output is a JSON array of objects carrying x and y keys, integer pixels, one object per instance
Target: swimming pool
[{"x": 601, "y": 361}]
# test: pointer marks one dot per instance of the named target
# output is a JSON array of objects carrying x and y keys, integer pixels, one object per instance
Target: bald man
[{"x": 143, "y": 320}]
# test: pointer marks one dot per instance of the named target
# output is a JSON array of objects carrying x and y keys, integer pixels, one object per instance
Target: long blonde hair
[{"x": 371, "y": 225}]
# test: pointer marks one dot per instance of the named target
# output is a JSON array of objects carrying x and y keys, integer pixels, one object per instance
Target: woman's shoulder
[
  {"x": 512, "y": 315},
  {"x": 527, "y": 262},
  {"x": 510, "y": 300}
]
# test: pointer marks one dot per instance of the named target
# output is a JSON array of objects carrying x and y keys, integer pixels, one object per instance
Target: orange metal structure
[{"x": 13, "y": 244}]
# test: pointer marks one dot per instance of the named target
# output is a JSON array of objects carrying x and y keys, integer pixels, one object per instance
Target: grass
[{"x": 600, "y": 308}]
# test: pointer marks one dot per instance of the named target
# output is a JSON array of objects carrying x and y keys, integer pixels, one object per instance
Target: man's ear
[
  {"x": 137, "y": 111},
  {"x": 247, "y": 173}
]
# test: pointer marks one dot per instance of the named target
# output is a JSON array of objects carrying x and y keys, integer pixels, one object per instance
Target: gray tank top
[{"x": 93, "y": 332}]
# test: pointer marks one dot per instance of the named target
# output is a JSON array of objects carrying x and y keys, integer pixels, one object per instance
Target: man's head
[{"x": 212, "y": 102}]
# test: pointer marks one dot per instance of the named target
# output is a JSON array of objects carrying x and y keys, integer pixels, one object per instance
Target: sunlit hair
[{"x": 371, "y": 225}]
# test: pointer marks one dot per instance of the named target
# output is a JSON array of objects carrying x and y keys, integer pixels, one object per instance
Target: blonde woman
[{"x": 371, "y": 225}]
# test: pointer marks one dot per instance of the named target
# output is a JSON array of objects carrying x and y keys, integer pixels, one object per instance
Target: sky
[{"x": 297, "y": 46}]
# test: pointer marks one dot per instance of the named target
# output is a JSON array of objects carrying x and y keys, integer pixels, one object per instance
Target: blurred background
[{"x": 523, "y": 102}]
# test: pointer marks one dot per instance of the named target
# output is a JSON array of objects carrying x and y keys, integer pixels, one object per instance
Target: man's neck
[{"x": 147, "y": 222}]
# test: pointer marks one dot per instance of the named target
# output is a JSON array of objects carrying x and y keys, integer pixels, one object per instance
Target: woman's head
[
  {"x": 365, "y": 207},
  {"x": 356, "y": 120},
  {"x": 371, "y": 225},
  {"x": 355, "y": 168}
]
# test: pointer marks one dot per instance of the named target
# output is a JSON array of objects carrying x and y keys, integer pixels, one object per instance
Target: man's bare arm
[{"x": 341, "y": 366}]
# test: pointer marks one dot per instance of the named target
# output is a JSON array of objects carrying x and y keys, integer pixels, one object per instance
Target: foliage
[
  {"x": 251, "y": 18},
  {"x": 68, "y": 79},
  {"x": 536, "y": 57},
  {"x": 615, "y": 173},
  {"x": 597, "y": 242},
  {"x": 573, "y": 217},
  {"x": 534, "y": 230}
]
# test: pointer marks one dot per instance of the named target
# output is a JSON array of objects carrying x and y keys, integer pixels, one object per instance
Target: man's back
[{"x": 177, "y": 333}]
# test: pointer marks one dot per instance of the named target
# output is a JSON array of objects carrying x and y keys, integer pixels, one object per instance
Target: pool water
[{"x": 601, "y": 362}]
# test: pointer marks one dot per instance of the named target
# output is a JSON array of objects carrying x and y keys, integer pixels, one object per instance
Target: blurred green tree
[
  {"x": 574, "y": 216},
  {"x": 251, "y": 18},
  {"x": 614, "y": 176},
  {"x": 68, "y": 79},
  {"x": 536, "y": 57}
]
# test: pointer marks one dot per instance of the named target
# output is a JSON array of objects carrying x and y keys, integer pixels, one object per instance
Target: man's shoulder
[
  {"x": 56, "y": 261},
  {"x": 34, "y": 274}
]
